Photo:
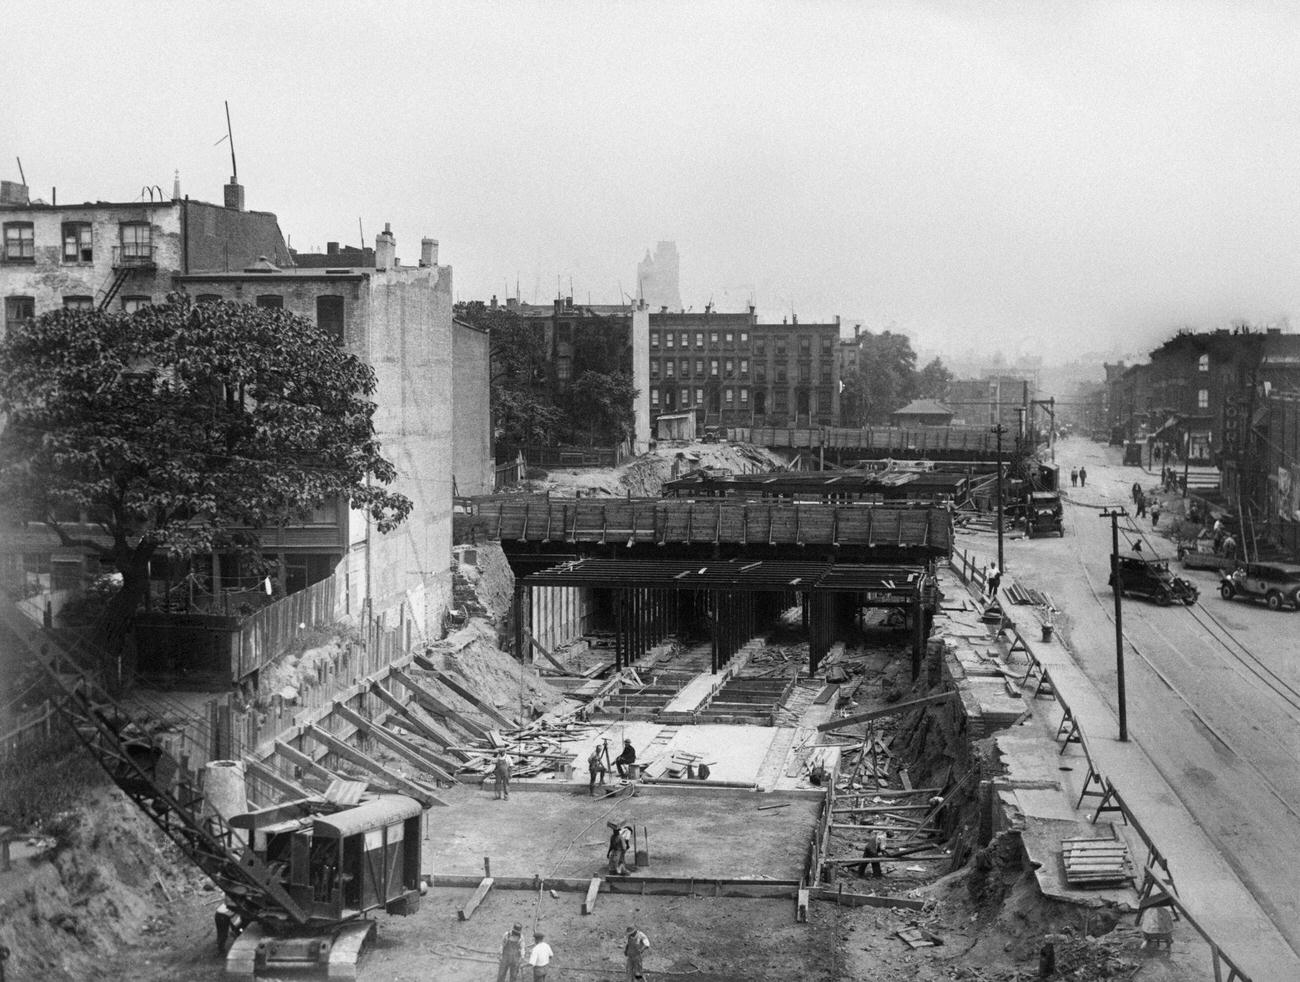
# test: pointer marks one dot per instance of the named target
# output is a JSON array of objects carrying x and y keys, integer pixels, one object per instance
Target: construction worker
[
  {"x": 992, "y": 579},
  {"x": 512, "y": 954},
  {"x": 875, "y": 847},
  {"x": 230, "y": 925},
  {"x": 625, "y": 759},
  {"x": 596, "y": 768},
  {"x": 620, "y": 841},
  {"x": 1083, "y": 477},
  {"x": 501, "y": 770},
  {"x": 634, "y": 949},
  {"x": 540, "y": 957}
]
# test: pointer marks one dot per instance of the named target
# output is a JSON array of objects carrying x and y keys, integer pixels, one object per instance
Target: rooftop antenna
[
  {"x": 361, "y": 232},
  {"x": 21, "y": 175},
  {"x": 230, "y": 133}
]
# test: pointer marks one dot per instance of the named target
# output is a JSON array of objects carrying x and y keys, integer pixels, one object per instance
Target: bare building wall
[{"x": 472, "y": 463}]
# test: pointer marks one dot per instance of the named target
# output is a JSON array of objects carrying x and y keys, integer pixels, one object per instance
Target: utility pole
[
  {"x": 1115, "y": 514},
  {"x": 998, "y": 430}
]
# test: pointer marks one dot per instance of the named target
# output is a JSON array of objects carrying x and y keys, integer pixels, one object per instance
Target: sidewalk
[{"x": 1204, "y": 882}]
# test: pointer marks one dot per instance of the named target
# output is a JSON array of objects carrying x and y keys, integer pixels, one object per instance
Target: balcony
[{"x": 134, "y": 256}]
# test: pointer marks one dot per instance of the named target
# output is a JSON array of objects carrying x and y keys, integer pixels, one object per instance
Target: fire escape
[{"x": 129, "y": 258}]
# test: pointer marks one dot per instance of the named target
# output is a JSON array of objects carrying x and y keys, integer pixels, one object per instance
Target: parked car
[
  {"x": 1152, "y": 579},
  {"x": 1276, "y": 584},
  {"x": 1043, "y": 514}
]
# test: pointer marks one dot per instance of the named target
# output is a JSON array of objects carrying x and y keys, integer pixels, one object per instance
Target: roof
[
  {"x": 373, "y": 814},
  {"x": 739, "y": 575},
  {"x": 923, "y": 407}
]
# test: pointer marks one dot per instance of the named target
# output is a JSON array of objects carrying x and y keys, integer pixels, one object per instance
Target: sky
[{"x": 1039, "y": 178}]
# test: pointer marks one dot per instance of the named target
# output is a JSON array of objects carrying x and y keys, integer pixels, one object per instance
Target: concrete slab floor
[{"x": 557, "y": 834}]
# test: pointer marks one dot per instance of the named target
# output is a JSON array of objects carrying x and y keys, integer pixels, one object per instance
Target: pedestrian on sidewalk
[
  {"x": 1074, "y": 477},
  {"x": 540, "y": 957},
  {"x": 1155, "y": 515},
  {"x": 501, "y": 770},
  {"x": 1142, "y": 505},
  {"x": 992, "y": 579},
  {"x": 1083, "y": 477},
  {"x": 634, "y": 949},
  {"x": 1137, "y": 492}
]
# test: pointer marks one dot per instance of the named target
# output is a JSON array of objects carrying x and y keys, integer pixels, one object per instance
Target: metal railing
[{"x": 136, "y": 254}]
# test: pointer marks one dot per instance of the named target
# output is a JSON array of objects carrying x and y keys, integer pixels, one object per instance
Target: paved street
[{"x": 1213, "y": 689}]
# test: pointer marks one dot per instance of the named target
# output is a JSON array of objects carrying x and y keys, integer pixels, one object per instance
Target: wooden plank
[
  {"x": 431, "y": 702},
  {"x": 267, "y": 775},
  {"x": 865, "y": 899},
  {"x": 404, "y": 785},
  {"x": 894, "y": 710},
  {"x": 528, "y": 636},
  {"x": 300, "y": 759},
  {"x": 425, "y": 728},
  {"x": 475, "y": 901},
  {"x": 593, "y": 891},
  {"x": 396, "y": 744},
  {"x": 482, "y": 705},
  {"x": 801, "y": 906}
]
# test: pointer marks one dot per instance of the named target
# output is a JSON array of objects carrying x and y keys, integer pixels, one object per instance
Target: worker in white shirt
[{"x": 540, "y": 957}]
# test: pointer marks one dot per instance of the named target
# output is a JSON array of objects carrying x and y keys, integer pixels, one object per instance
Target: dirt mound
[
  {"x": 63, "y": 913},
  {"x": 646, "y": 475},
  {"x": 515, "y": 689}
]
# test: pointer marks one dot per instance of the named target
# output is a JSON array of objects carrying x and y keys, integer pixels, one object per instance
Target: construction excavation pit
[{"x": 772, "y": 768}]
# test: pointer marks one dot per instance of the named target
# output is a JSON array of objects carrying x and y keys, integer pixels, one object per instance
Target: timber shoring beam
[
  {"x": 441, "y": 769},
  {"x": 435, "y": 705},
  {"x": 893, "y": 710},
  {"x": 367, "y": 763}
]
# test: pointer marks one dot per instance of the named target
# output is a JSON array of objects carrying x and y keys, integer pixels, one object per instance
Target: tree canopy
[
  {"x": 887, "y": 379},
  {"x": 182, "y": 429}
]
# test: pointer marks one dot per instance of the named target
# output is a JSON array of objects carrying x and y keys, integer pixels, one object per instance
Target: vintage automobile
[
  {"x": 1043, "y": 514},
  {"x": 1277, "y": 584},
  {"x": 1152, "y": 579}
]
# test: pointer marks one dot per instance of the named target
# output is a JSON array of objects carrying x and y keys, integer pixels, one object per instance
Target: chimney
[
  {"x": 794, "y": 318},
  {"x": 234, "y": 195},
  {"x": 663, "y": 309},
  {"x": 493, "y": 305},
  {"x": 428, "y": 252},
  {"x": 837, "y": 320},
  {"x": 176, "y": 187},
  {"x": 385, "y": 248},
  {"x": 331, "y": 248},
  {"x": 13, "y": 193},
  {"x": 857, "y": 331},
  {"x": 559, "y": 305},
  {"x": 512, "y": 303}
]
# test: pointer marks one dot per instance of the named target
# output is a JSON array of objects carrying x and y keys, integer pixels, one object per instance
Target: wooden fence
[
  {"x": 966, "y": 440},
  {"x": 30, "y": 727},
  {"x": 268, "y": 633}
]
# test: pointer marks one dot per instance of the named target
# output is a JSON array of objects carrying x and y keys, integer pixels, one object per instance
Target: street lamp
[
  {"x": 1115, "y": 514},
  {"x": 998, "y": 430}
]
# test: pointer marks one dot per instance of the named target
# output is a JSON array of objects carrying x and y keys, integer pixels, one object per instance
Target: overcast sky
[{"x": 1051, "y": 178}]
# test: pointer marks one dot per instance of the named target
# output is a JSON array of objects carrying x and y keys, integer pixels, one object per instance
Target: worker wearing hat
[
  {"x": 634, "y": 949},
  {"x": 626, "y": 759},
  {"x": 512, "y": 954}
]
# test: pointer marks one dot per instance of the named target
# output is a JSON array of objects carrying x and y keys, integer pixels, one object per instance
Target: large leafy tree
[
  {"x": 181, "y": 430},
  {"x": 934, "y": 381},
  {"x": 885, "y": 379}
]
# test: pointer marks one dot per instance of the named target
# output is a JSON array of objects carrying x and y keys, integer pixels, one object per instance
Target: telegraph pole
[
  {"x": 998, "y": 430},
  {"x": 1115, "y": 514}
]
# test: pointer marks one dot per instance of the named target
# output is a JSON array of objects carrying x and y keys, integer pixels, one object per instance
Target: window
[
  {"x": 744, "y": 366},
  {"x": 20, "y": 242},
  {"x": 780, "y": 373},
  {"x": 272, "y": 301},
  {"x": 760, "y": 372},
  {"x": 668, "y": 339},
  {"x": 654, "y": 397},
  {"x": 654, "y": 339},
  {"x": 744, "y": 337},
  {"x": 699, "y": 366},
  {"x": 826, "y": 347},
  {"x": 713, "y": 367},
  {"x": 826, "y": 374},
  {"x": 669, "y": 365},
  {"x": 760, "y": 348},
  {"x": 782, "y": 400},
  {"x": 1203, "y": 363},
  {"x": 780, "y": 346},
  {"x": 699, "y": 396},
  {"x": 654, "y": 367},
  {"x": 730, "y": 395},
  {"x": 730, "y": 338},
  {"x": 729, "y": 366},
  {"x": 686, "y": 339},
  {"x": 699, "y": 339},
  {"x": 563, "y": 369},
  {"x": 137, "y": 243},
  {"x": 686, "y": 367},
  {"x": 77, "y": 243},
  {"x": 1203, "y": 399},
  {"x": 744, "y": 395},
  {"x": 564, "y": 332},
  {"x": 805, "y": 347},
  {"x": 713, "y": 337},
  {"x": 329, "y": 316},
  {"x": 803, "y": 372},
  {"x": 79, "y": 303},
  {"x": 19, "y": 309},
  {"x": 686, "y": 397},
  {"x": 131, "y": 304}
]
